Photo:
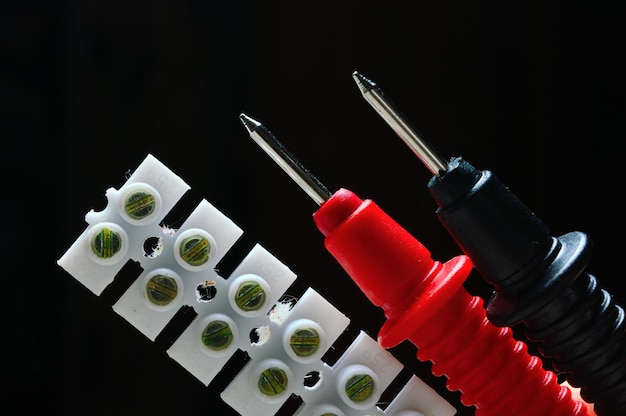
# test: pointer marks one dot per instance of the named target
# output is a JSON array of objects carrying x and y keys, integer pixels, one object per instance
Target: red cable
[{"x": 425, "y": 302}]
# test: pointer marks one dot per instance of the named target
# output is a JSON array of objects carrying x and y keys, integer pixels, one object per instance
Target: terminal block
[{"x": 285, "y": 339}]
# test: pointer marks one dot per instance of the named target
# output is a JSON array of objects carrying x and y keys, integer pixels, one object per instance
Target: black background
[{"x": 533, "y": 91}]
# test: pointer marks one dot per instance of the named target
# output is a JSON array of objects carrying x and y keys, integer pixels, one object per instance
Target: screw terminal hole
[
  {"x": 153, "y": 246},
  {"x": 312, "y": 379},
  {"x": 206, "y": 291},
  {"x": 260, "y": 335}
]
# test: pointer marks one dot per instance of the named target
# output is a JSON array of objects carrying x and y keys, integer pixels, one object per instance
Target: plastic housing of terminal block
[{"x": 180, "y": 271}]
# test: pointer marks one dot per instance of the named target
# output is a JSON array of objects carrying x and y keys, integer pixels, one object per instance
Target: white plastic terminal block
[
  {"x": 205, "y": 229},
  {"x": 419, "y": 399},
  {"x": 354, "y": 384},
  {"x": 117, "y": 233},
  {"x": 221, "y": 326},
  {"x": 279, "y": 365},
  {"x": 248, "y": 311}
]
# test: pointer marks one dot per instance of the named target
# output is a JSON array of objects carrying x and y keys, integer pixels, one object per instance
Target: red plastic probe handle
[{"x": 424, "y": 301}]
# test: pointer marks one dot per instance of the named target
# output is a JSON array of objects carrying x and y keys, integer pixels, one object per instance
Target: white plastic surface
[
  {"x": 243, "y": 394},
  {"x": 79, "y": 260},
  {"x": 416, "y": 399},
  {"x": 363, "y": 356},
  {"x": 134, "y": 306},
  {"x": 248, "y": 302},
  {"x": 192, "y": 354}
]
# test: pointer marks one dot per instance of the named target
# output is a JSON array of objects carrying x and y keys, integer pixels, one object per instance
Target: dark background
[{"x": 533, "y": 91}]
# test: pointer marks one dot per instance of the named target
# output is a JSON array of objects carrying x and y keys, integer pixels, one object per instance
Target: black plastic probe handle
[
  {"x": 504, "y": 239},
  {"x": 538, "y": 280}
]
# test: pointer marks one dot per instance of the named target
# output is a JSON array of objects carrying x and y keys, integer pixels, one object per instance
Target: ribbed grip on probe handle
[
  {"x": 493, "y": 371},
  {"x": 424, "y": 301},
  {"x": 539, "y": 280}
]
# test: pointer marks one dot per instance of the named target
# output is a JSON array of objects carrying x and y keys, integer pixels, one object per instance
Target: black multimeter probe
[{"x": 538, "y": 279}]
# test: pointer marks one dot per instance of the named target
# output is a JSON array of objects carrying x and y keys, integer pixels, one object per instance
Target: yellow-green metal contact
[
  {"x": 359, "y": 387},
  {"x": 250, "y": 296},
  {"x": 106, "y": 243},
  {"x": 273, "y": 381},
  {"x": 195, "y": 250},
  {"x": 140, "y": 204},
  {"x": 161, "y": 289},
  {"x": 217, "y": 335},
  {"x": 304, "y": 342}
]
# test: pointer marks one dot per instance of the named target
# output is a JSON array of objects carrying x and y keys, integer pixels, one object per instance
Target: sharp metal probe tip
[
  {"x": 283, "y": 158},
  {"x": 375, "y": 97},
  {"x": 364, "y": 84}
]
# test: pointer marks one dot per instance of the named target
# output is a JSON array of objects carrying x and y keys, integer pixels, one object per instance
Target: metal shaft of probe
[
  {"x": 374, "y": 96},
  {"x": 279, "y": 153}
]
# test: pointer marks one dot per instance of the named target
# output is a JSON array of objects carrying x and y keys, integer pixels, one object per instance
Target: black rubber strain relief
[
  {"x": 538, "y": 280},
  {"x": 482, "y": 216}
]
